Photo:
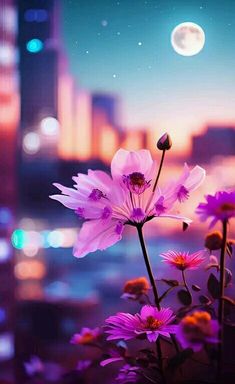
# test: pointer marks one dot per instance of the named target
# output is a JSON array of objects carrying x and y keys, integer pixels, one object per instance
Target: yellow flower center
[
  {"x": 152, "y": 323},
  {"x": 180, "y": 261}
]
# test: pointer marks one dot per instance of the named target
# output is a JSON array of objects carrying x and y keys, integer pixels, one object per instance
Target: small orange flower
[
  {"x": 137, "y": 286},
  {"x": 87, "y": 336}
]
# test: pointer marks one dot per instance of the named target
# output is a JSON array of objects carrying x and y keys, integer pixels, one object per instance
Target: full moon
[{"x": 188, "y": 39}]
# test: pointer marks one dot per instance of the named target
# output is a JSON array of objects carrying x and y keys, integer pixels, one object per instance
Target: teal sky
[{"x": 123, "y": 47}]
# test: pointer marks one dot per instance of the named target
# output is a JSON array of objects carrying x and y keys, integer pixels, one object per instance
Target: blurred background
[{"x": 78, "y": 80}]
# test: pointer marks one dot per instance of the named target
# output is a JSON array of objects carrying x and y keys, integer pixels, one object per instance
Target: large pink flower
[
  {"x": 183, "y": 260},
  {"x": 221, "y": 206},
  {"x": 108, "y": 203},
  {"x": 150, "y": 322}
]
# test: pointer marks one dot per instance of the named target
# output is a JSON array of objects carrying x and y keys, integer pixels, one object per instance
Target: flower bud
[
  {"x": 213, "y": 241},
  {"x": 164, "y": 143}
]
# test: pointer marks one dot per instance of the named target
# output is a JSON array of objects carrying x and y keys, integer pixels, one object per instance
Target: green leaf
[
  {"x": 213, "y": 286},
  {"x": 184, "y": 297},
  {"x": 196, "y": 288}
]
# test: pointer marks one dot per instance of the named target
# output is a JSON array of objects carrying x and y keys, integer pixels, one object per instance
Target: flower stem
[
  {"x": 155, "y": 292},
  {"x": 148, "y": 266},
  {"x": 159, "y": 170},
  {"x": 185, "y": 283},
  {"x": 221, "y": 300}
]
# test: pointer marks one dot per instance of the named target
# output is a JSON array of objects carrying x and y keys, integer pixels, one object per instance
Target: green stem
[{"x": 221, "y": 301}]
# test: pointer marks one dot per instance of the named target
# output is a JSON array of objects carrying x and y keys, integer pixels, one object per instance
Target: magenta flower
[
  {"x": 86, "y": 336},
  {"x": 196, "y": 330},
  {"x": 34, "y": 366},
  {"x": 183, "y": 260},
  {"x": 128, "y": 374},
  {"x": 108, "y": 203},
  {"x": 151, "y": 323},
  {"x": 221, "y": 207}
]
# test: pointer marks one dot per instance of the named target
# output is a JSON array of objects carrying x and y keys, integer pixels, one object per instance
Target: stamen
[
  {"x": 136, "y": 182},
  {"x": 96, "y": 194},
  {"x": 182, "y": 194}
]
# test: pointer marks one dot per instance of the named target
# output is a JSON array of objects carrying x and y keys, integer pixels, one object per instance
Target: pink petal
[
  {"x": 197, "y": 176},
  {"x": 126, "y": 162},
  {"x": 97, "y": 234}
]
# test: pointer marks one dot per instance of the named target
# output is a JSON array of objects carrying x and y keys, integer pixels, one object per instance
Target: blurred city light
[
  {"x": 50, "y": 126},
  {"x": 8, "y": 54},
  {"x": 36, "y": 15},
  {"x": 5, "y": 250},
  {"x": 8, "y": 19},
  {"x": 6, "y": 346},
  {"x": 56, "y": 238},
  {"x": 31, "y": 143},
  {"x": 18, "y": 239},
  {"x": 3, "y": 315},
  {"x": 34, "y": 45},
  {"x": 30, "y": 269},
  {"x": 5, "y": 216}
]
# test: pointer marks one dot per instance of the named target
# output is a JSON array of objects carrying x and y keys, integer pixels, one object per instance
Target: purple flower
[
  {"x": 151, "y": 323},
  {"x": 82, "y": 365},
  {"x": 221, "y": 207},
  {"x": 34, "y": 366},
  {"x": 184, "y": 260},
  {"x": 128, "y": 374},
  {"x": 108, "y": 203},
  {"x": 197, "y": 329},
  {"x": 86, "y": 336}
]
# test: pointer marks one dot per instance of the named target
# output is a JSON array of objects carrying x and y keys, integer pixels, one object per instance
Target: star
[
  {"x": 114, "y": 75},
  {"x": 104, "y": 23},
  {"x": 140, "y": 43},
  {"x": 87, "y": 51},
  {"x": 118, "y": 33}
]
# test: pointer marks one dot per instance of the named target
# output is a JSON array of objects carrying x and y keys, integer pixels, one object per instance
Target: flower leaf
[
  {"x": 184, "y": 297},
  {"x": 228, "y": 276},
  {"x": 204, "y": 299},
  {"x": 228, "y": 300},
  {"x": 179, "y": 359},
  {"x": 196, "y": 288},
  {"x": 213, "y": 286},
  {"x": 171, "y": 283}
]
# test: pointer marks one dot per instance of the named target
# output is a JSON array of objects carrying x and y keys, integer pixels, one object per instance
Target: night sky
[{"x": 123, "y": 47}]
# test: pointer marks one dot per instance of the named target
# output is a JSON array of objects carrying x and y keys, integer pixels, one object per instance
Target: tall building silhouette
[
  {"x": 9, "y": 115},
  {"x": 104, "y": 118}
]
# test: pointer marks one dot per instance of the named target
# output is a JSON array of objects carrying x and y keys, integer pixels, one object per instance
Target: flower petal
[{"x": 97, "y": 234}]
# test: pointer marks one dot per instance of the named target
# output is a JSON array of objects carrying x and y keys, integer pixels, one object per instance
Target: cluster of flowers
[{"x": 132, "y": 196}]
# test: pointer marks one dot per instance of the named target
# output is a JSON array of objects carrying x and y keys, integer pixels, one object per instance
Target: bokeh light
[
  {"x": 50, "y": 126},
  {"x": 34, "y": 45},
  {"x": 18, "y": 239},
  {"x": 31, "y": 143},
  {"x": 5, "y": 250}
]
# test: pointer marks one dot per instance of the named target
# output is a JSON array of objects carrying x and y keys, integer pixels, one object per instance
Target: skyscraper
[
  {"x": 9, "y": 115},
  {"x": 39, "y": 67},
  {"x": 104, "y": 117},
  {"x": 39, "y": 53}
]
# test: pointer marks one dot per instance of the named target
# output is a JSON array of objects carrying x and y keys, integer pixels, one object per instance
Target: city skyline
[{"x": 111, "y": 48}]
